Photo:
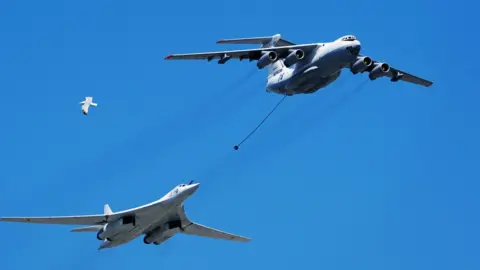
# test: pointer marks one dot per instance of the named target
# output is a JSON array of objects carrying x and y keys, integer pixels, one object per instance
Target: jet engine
[
  {"x": 294, "y": 57},
  {"x": 112, "y": 228},
  {"x": 266, "y": 59},
  {"x": 361, "y": 64},
  {"x": 379, "y": 70},
  {"x": 155, "y": 234}
]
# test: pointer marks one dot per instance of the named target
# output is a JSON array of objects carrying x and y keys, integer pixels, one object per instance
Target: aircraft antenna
[{"x": 264, "y": 119}]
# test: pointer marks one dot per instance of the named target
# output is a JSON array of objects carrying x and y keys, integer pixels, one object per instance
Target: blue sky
[{"x": 361, "y": 175}]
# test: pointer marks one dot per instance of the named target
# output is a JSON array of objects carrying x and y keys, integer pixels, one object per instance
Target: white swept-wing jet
[
  {"x": 157, "y": 221},
  {"x": 305, "y": 68},
  {"x": 87, "y": 103}
]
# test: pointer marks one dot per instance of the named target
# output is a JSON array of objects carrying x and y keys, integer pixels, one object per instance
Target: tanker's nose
[
  {"x": 354, "y": 47},
  {"x": 357, "y": 45}
]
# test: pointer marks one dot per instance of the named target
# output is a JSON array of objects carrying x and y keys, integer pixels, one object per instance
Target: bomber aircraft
[
  {"x": 316, "y": 65},
  {"x": 158, "y": 221}
]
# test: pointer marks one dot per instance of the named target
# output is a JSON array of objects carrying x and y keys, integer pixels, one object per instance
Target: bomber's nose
[{"x": 192, "y": 188}]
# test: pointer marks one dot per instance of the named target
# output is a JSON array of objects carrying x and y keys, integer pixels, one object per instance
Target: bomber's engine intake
[
  {"x": 294, "y": 57},
  {"x": 361, "y": 64},
  {"x": 379, "y": 70},
  {"x": 112, "y": 228},
  {"x": 266, "y": 59},
  {"x": 156, "y": 234}
]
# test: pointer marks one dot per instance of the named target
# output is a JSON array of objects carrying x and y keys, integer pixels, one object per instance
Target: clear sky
[{"x": 361, "y": 175}]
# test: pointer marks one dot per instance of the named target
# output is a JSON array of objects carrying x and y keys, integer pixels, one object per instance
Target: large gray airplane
[
  {"x": 158, "y": 221},
  {"x": 316, "y": 65}
]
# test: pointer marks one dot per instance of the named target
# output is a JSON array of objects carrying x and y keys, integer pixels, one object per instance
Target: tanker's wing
[
  {"x": 251, "y": 54},
  {"x": 396, "y": 74}
]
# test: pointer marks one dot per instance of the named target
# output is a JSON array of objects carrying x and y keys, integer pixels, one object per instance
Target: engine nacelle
[
  {"x": 380, "y": 70},
  {"x": 266, "y": 59},
  {"x": 101, "y": 233},
  {"x": 112, "y": 228},
  {"x": 156, "y": 234},
  {"x": 361, "y": 64},
  {"x": 294, "y": 57}
]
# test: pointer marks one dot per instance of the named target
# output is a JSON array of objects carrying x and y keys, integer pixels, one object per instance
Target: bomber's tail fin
[{"x": 107, "y": 210}]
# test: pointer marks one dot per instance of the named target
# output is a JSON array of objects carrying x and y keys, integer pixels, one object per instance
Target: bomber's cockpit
[
  {"x": 185, "y": 185},
  {"x": 179, "y": 188},
  {"x": 184, "y": 190},
  {"x": 348, "y": 38}
]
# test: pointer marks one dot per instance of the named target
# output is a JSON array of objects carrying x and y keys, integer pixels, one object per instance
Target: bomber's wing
[
  {"x": 251, "y": 54},
  {"x": 396, "y": 74},
  {"x": 99, "y": 219},
  {"x": 192, "y": 228},
  {"x": 93, "y": 228},
  {"x": 61, "y": 220},
  {"x": 201, "y": 230}
]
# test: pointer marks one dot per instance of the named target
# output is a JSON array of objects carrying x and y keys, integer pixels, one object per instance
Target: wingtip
[
  {"x": 220, "y": 41},
  {"x": 168, "y": 57},
  {"x": 244, "y": 239}
]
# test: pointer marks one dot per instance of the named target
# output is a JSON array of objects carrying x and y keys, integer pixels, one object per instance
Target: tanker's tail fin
[{"x": 265, "y": 42}]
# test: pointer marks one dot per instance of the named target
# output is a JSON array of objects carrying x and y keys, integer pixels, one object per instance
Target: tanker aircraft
[
  {"x": 315, "y": 65},
  {"x": 158, "y": 221}
]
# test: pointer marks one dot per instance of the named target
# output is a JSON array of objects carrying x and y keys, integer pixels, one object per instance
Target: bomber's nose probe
[
  {"x": 87, "y": 103},
  {"x": 235, "y": 147}
]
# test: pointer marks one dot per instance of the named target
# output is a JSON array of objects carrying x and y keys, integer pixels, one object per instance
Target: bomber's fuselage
[{"x": 158, "y": 222}]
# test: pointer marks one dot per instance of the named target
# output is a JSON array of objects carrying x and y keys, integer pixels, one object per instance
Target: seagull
[{"x": 87, "y": 103}]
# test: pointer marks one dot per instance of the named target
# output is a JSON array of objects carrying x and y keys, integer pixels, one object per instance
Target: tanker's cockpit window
[{"x": 349, "y": 38}]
